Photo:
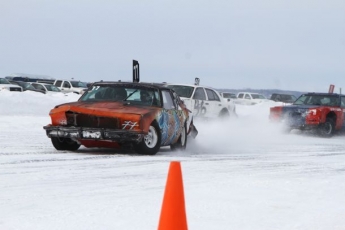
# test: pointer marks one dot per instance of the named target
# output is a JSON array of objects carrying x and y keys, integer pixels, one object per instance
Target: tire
[
  {"x": 327, "y": 129},
  {"x": 64, "y": 144},
  {"x": 181, "y": 143},
  {"x": 151, "y": 142},
  {"x": 224, "y": 114}
]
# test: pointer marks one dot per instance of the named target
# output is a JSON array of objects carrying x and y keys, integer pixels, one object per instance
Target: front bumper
[
  {"x": 300, "y": 122},
  {"x": 84, "y": 133}
]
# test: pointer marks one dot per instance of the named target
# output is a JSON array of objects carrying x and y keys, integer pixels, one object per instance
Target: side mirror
[{"x": 229, "y": 99}]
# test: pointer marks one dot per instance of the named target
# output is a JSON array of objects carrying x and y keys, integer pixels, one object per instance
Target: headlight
[{"x": 312, "y": 112}]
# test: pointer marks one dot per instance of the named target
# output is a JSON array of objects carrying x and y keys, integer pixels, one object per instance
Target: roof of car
[
  {"x": 68, "y": 80},
  {"x": 135, "y": 84},
  {"x": 325, "y": 94},
  {"x": 190, "y": 85},
  {"x": 40, "y": 83},
  {"x": 250, "y": 93}
]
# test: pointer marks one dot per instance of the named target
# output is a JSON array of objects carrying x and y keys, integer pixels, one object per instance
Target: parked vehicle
[
  {"x": 122, "y": 114},
  {"x": 203, "y": 101},
  {"x": 248, "y": 98},
  {"x": 228, "y": 95},
  {"x": 134, "y": 115},
  {"x": 47, "y": 88},
  {"x": 286, "y": 98},
  {"x": 68, "y": 86},
  {"x": 31, "y": 78},
  {"x": 6, "y": 85},
  {"x": 323, "y": 112},
  {"x": 26, "y": 86}
]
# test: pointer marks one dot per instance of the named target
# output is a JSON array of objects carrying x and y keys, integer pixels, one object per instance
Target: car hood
[
  {"x": 10, "y": 85},
  {"x": 288, "y": 108},
  {"x": 103, "y": 108},
  {"x": 35, "y": 90}
]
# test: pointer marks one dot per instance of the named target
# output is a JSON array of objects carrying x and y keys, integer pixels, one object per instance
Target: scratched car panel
[{"x": 134, "y": 115}]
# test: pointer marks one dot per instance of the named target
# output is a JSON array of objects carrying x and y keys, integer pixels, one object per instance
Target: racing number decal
[{"x": 95, "y": 88}]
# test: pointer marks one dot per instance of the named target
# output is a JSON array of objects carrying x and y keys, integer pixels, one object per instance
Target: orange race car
[{"x": 144, "y": 116}]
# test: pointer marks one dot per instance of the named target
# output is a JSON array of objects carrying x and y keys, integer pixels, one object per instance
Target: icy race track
[{"x": 240, "y": 174}]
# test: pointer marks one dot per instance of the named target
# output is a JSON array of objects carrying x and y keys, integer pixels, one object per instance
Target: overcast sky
[{"x": 267, "y": 44}]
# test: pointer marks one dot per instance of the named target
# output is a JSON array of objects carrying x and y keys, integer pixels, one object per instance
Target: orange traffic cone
[{"x": 173, "y": 213}]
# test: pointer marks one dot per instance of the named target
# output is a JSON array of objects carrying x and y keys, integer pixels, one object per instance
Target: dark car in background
[
  {"x": 286, "y": 98},
  {"x": 26, "y": 86}
]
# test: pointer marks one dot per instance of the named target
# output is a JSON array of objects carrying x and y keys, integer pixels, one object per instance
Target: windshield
[
  {"x": 4, "y": 81},
  {"x": 182, "y": 90},
  {"x": 129, "y": 94},
  {"x": 27, "y": 86},
  {"x": 52, "y": 88},
  {"x": 287, "y": 97},
  {"x": 258, "y": 96},
  {"x": 79, "y": 84},
  {"x": 229, "y": 95},
  {"x": 325, "y": 100}
]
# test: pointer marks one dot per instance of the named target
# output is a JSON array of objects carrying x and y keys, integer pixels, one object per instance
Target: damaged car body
[
  {"x": 323, "y": 112},
  {"x": 142, "y": 116}
]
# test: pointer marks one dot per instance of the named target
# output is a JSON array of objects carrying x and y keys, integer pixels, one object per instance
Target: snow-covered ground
[{"x": 241, "y": 174}]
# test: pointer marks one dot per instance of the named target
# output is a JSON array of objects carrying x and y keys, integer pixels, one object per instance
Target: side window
[
  {"x": 199, "y": 94},
  {"x": 342, "y": 102},
  {"x": 209, "y": 95},
  {"x": 40, "y": 87},
  {"x": 66, "y": 84},
  {"x": 247, "y": 96},
  {"x": 58, "y": 83},
  {"x": 212, "y": 96},
  {"x": 240, "y": 95},
  {"x": 168, "y": 102},
  {"x": 216, "y": 97}
]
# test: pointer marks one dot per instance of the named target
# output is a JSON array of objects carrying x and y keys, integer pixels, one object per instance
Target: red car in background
[{"x": 323, "y": 112}]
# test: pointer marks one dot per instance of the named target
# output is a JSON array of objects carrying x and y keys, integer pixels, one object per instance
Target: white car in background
[
  {"x": 228, "y": 95},
  {"x": 204, "y": 101},
  {"x": 248, "y": 98},
  {"x": 68, "y": 86},
  {"x": 6, "y": 85},
  {"x": 47, "y": 88}
]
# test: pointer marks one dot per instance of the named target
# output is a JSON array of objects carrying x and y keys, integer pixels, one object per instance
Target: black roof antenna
[{"x": 136, "y": 74}]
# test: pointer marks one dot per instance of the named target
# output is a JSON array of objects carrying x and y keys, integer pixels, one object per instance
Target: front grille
[
  {"x": 91, "y": 121},
  {"x": 295, "y": 114},
  {"x": 15, "y": 89}
]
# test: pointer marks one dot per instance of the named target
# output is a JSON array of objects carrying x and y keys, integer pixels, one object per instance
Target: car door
[
  {"x": 247, "y": 99},
  {"x": 342, "y": 105},
  {"x": 199, "y": 99},
  {"x": 58, "y": 83},
  {"x": 214, "y": 104},
  {"x": 171, "y": 119},
  {"x": 240, "y": 99},
  {"x": 66, "y": 87}
]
